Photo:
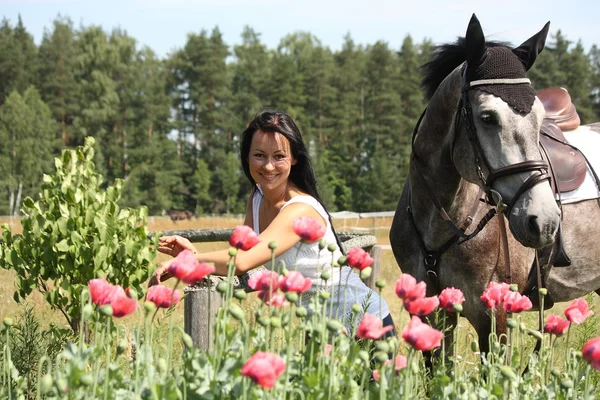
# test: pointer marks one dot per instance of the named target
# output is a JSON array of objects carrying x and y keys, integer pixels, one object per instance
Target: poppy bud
[
  {"x": 46, "y": 383},
  {"x": 106, "y": 310},
  {"x": 222, "y": 287},
  {"x": 187, "y": 341},
  {"x": 365, "y": 273},
  {"x": 292, "y": 297},
  {"x": 301, "y": 312},
  {"x": 236, "y": 312},
  {"x": 382, "y": 346},
  {"x": 239, "y": 294},
  {"x": 86, "y": 312},
  {"x": 334, "y": 325},
  {"x": 122, "y": 346},
  {"x": 149, "y": 307}
]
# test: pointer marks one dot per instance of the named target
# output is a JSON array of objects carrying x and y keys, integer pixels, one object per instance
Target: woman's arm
[{"x": 279, "y": 231}]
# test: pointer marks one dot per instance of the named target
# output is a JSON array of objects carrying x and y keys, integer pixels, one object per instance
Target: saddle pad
[{"x": 588, "y": 142}]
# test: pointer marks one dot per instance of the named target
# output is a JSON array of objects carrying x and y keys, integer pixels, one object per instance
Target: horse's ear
[
  {"x": 528, "y": 51},
  {"x": 475, "y": 42}
]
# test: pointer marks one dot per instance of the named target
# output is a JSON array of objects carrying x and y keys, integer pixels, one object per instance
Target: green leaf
[
  {"x": 62, "y": 224},
  {"x": 62, "y": 246},
  {"x": 100, "y": 257}
]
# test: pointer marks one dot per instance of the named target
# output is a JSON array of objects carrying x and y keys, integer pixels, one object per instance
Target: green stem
[
  {"x": 7, "y": 362},
  {"x": 408, "y": 378},
  {"x": 107, "y": 361},
  {"x": 455, "y": 353},
  {"x": 567, "y": 344},
  {"x": 170, "y": 340},
  {"x": 43, "y": 360}
]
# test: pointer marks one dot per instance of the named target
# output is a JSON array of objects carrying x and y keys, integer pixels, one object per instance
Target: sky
[{"x": 163, "y": 25}]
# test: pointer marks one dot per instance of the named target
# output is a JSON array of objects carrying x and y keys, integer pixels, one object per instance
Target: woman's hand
[
  {"x": 161, "y": 274},
  {"x": 173, "y": 245}
]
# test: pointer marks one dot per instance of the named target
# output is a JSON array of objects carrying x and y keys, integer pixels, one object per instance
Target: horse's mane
[{"x": 444, "y": 60}]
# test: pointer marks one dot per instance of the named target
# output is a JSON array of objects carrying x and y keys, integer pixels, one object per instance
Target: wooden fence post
[{"x": 201, "y": 304}]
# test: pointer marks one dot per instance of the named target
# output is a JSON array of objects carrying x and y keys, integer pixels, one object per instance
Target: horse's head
[{"x": 496, "y": 142}]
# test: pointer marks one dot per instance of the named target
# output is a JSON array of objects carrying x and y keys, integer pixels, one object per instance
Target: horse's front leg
[
  {"x": 446, "y": 324},
  {"x": 484, "y": 330}
]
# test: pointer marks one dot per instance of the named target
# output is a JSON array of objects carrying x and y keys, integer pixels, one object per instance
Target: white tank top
[{"x": 310, "y": 261}]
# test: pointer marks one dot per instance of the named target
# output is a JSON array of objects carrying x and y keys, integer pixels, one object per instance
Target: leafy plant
[{"x": 76, "y": 232}]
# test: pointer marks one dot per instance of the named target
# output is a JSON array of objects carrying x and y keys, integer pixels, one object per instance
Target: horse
[
  {"x": 476, "y": 166},
  {"x": 180, "y": 215}
]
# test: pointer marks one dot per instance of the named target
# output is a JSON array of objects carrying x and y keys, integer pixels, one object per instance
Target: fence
[{"x": 202, "y": 301}]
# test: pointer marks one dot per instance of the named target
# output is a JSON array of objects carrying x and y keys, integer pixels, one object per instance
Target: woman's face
[{"x": 270, "y": 159}]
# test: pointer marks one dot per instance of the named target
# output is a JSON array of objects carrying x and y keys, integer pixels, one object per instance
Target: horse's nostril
[{"x": 533, "y": 225}]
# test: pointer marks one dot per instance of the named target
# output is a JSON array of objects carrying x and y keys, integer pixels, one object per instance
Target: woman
[{"x": 275, "y": 160}]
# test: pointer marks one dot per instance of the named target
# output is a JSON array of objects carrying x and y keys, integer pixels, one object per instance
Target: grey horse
[{"x": 476, "y": 158}]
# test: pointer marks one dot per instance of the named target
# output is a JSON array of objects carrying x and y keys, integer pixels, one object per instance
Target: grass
[{"x": 389, "y": 273}]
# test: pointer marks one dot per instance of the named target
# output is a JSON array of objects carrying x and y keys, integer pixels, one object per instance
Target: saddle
[
  {"x": 559, "y": 108},
  {"x": 567, "y": 164},
  {"x": 568, "y": 168}
]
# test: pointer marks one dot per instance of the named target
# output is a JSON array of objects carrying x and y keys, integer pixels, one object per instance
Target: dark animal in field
[{"x": 180, "y": 215}]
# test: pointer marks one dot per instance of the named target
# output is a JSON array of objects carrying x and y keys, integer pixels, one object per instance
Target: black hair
[{"x": 302, "y": 174}]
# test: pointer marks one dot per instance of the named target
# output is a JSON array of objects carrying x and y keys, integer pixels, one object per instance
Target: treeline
[{"x": 170, "y": 127}]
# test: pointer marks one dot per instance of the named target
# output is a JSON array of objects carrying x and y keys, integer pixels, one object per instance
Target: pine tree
[
  {"x": 56, "y": 76},
  {"x": 18, "y": 59},
  {"x": 27, "y": 131}
]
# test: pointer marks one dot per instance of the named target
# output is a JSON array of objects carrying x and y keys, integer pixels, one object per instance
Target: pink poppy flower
[
  {"x": 101, "y": 291},
  {"x": 309, "y": 229},
  {"x": 449, "y": 297},
  {"x": 515, "y": 302},
  {"x": 408, "y": 289},
  {"x": 494, "y": 294},
  {"x": 422, "y": 307},
  {"x": 555, "y": 325},
  {"x": 376, "y": 375},
  {"x": 163, "y": 296},
  {"x": 591, "y": 352},
  {"x": 294, "y": 281},
  {"x": 122, "y": 305},
  {"x": 264, "y": 280},
  {"x": 371, "y": 327},
  {"x": 188, "y": 269},
  {"x": 244, "y": 238},
  {"x": 421, "y": 336},
  {"x": 358, "y": 258},
  {"x": 578, "y": 311},
  {"x": 264, "y": 368},
  {"x": 272, "y": 299},
  {"x": 399, "y": 363}
]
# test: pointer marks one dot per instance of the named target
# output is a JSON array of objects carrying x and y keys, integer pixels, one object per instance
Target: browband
[{"x": 514, "y": 81}]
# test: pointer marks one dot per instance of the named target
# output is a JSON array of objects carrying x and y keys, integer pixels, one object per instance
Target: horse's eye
[{"x": 488, "y": 118}]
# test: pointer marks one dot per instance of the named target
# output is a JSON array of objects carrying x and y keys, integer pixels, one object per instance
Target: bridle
[
  {"x": 492, "y": 197},
  {"x": 540, "y": 167}
]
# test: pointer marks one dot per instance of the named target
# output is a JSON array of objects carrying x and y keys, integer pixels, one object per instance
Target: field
[{"x": 377, "y": 226}]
